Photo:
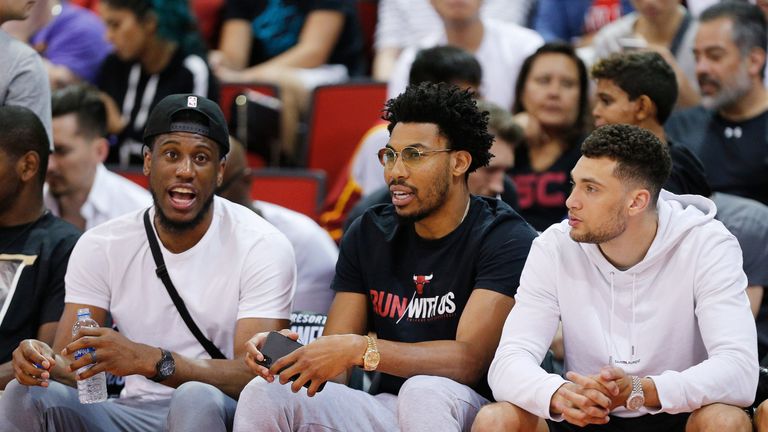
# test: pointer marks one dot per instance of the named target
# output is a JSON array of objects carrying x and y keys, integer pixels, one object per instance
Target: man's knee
[
  {"x": 718, "y": 418},
  {"x": 196, "y": 395},
  {"x": 503, "y": 416}
]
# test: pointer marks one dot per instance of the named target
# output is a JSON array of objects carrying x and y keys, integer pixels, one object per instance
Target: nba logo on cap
[{"x": 192, "y": 101}]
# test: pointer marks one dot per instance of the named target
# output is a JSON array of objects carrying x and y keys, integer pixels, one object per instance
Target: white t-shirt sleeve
[
  {"x": 86, "y": 278},
  {"x": 269, "y": 279}
]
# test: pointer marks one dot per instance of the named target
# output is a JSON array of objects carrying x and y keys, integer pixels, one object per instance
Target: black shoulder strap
[
  {"x": 162, "y": 273},
  {"x": 677, "y": 41}
]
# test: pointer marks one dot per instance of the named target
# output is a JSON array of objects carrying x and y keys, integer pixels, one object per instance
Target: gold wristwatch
[{"x": 371, "y": 357}]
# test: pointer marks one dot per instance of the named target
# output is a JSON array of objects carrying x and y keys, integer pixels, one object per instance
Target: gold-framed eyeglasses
[{"x": 410, "y": 155}]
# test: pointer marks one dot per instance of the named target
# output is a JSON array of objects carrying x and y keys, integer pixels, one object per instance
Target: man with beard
[
  {"x": 728, "y": 132},
  {"x": 34, "y": 245},
  {"x": 233, "y": 271},
  {"x": 649, "y": 288},
  {"x": 79, "y": 188},
  {"x": 432, "y": 274}
]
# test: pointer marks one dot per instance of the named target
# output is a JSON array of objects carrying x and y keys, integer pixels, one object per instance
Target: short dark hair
[
  {"x": 582, "y": 118},
  {"x": 453, "y": 110},
  {"x": 749, "y": 24},
  {"x": 640, "y": 156},
  {"x": 24, "y": 132},
  {"x": 445, "y": 64},
  {"x": 84, "y": 101},
  {"x": 641, "y": 73}
]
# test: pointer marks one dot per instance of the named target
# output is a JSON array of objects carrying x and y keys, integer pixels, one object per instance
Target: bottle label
[{"x": 83, "y": 351}]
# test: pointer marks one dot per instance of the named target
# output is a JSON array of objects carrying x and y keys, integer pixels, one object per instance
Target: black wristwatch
[{"x": 165, "y": 367}]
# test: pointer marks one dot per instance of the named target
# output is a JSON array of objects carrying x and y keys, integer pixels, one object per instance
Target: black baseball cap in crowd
[{"x": 161, "y": 119}]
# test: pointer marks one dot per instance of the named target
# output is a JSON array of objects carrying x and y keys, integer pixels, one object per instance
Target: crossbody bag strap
[{"x": 162, "y": 273}]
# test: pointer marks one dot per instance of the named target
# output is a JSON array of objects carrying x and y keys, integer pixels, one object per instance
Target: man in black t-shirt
[
  {"x": 34, "y": 245},
  {"x": 729, "y": 132},
  {"x": 432, "y": 275}
]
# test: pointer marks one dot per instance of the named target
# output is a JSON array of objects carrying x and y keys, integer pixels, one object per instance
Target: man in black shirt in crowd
[
  {"x": 432, "y": 274},
  {"x": 34, "y": 245},
  {"x": 729, "y": 131}
]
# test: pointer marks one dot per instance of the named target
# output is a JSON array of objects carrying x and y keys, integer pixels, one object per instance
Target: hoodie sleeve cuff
[
  {"x": 665, "y": 389},
  {"x": 546, "y": 392}
]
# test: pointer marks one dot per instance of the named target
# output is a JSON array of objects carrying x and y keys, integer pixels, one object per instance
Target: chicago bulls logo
[{"x": 421, "y": 282}]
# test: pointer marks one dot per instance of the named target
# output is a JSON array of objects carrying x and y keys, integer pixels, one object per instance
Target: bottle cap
[{"x": 83, "y": 312}]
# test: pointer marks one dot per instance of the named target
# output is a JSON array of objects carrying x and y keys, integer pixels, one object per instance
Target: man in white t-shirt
[
  {"x": 79, "y": 188},
  {"x": 234, "y": 272},
  {"x": 500, "y": 48},
  {"x": 316, "y": 252}
]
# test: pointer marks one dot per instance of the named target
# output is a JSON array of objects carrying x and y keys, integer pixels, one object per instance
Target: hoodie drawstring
[{"x": 611, "y": 345}]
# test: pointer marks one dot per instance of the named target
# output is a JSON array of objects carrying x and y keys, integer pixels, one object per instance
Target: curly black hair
[
  {"x": 453, "y": 110},
  {"x": 640, "y": 156},
  {"x": 641, "y": 73}
]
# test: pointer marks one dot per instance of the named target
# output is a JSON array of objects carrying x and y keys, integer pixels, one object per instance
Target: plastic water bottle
[{"x": 93, "y": 389}]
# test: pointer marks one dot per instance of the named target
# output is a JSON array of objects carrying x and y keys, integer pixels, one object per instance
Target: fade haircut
[
  {"x": 641, "y": 73},
  {"x": 641, "y": 158},
  {"x": 84, "y": 101},
  {"x": 445, "y": 64},
  {"x": 22, "y": 132},
  {"x": 582, "y": 118},
  {"x": 748, "y": 25},
  {"x": 453, "y": 110}
]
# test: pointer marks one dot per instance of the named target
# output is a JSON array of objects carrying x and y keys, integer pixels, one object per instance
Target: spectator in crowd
[
  {"x": 68, "y": 37},
  {"x": 639, "y": 89},
  {"x": 157, "y": 53},
  {"x": 490, "y": 181},
  {"x": 434, "y": 245},
  {"x": 34, "y": 245},
  {"x": 23, "y": 81},
  {"x": 664, "y": 26},
  {"x": 79, "y": 189},
  {"x": 551, "y": 105},
  {"x": 316, "y": 252},
  {"x": 295, "y": 45},
  {"x": 728, "y": 131},
  {"x": 499, "y": 47},
  {"x": 216, "y": 252},
  {"x": 401, "y": 22},
  {"x": 577, "y": 21},
  {"x": 631, "y": 263},
  {"x": 364, "y": 174}
]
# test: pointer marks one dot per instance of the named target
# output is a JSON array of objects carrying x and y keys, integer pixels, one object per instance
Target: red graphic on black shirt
[
  {"x": 418, "y": 308},
  {"x": 421, "y": 282}
]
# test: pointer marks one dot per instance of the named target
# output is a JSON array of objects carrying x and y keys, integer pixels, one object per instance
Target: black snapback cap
[{"x": 161, "y": 119}]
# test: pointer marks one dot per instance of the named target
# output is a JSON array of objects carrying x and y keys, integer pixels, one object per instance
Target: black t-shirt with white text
[
  {"x": 32, "y": 267},
  {"x": 417, "y": 288}
]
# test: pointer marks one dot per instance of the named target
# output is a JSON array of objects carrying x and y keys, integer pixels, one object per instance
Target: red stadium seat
[
  {"x": 297, "y": 189},
  {"x": 339, "y": 116}
]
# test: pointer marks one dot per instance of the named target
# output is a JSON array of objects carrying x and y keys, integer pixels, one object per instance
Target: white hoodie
[{"x": 680, "y": 316}]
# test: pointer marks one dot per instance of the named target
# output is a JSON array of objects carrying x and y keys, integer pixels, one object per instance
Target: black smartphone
[{"x": 277, "y": 346}]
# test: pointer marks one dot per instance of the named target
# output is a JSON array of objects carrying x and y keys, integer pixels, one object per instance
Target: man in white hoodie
[{"x": 650, "y": 292}]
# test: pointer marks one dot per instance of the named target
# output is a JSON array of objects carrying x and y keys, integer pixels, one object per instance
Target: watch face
[
  {"x": 167, "y": 368},
  {"x": 635, "y": 401},
  {"x": 371, "y": 360}
]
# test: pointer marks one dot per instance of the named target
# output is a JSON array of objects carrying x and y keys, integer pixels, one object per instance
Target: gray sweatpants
[
  {"x": 194, "y": 406},
  {"x": 424, "y": 404}
]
